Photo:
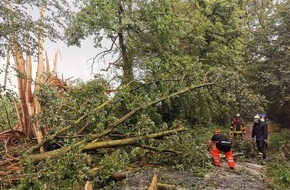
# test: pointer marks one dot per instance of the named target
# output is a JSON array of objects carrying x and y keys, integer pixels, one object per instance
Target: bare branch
[
  {"x": 103, "y": 52},
  {"x": 113, "y": 63}
]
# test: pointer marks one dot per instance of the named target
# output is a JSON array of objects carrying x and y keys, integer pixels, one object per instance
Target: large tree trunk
[
  {"x": 127, "y": 58},
  {"x": 21, "y": 74},
  {"x": 129, "y": 141},
  {"x": 29, "y": 103},
  {"x": 106, "y": 144}
]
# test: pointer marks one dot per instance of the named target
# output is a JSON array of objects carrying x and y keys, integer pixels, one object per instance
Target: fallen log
[
  {"x": 110, "y": 128},
  {"x": 129, "y": 141},
  {"x": 238, "y": 154},
  {"x": 163, "y": 186},
  {"x": 118, "y": 176},
  {"x": 44, "y": 155},
  {"x": 105, "y": 144},
  {"x": 115, "y": 124}
]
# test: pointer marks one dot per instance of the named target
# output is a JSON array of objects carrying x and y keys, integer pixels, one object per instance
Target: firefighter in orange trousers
[{"x": 219, "y": 143}]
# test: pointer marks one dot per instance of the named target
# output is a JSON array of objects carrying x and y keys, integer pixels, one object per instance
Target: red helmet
[{"x": 217, "y": 132}]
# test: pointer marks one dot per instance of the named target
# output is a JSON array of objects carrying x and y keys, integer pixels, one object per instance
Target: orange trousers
[{"x": 216, "y": 157}]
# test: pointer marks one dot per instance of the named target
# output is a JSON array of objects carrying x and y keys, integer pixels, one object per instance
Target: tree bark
[
  {"x": 163, "y": 186},
  {"x": 127, "y": 59},
  {"x": 129, "y": 141},
  {"x": 105, "y": 144},
  {"x": 118, "y": 176}
]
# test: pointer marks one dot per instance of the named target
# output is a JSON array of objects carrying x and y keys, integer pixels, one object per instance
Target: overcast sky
[{"x": 74, "y": 61}]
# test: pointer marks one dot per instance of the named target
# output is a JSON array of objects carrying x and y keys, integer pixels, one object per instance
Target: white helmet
[
  {"x": 257, "y": 119},
  {"x": 238, "y": 115}
]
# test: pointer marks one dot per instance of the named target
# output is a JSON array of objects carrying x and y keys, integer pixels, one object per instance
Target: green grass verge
[{"x": 278, "y": 168}]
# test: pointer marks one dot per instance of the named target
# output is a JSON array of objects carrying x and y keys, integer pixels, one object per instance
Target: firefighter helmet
[
  {"x": 217, "y": 132},
  {"x": 257, "y": 119}
]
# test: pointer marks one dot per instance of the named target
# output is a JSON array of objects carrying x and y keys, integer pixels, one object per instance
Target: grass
[{"x": 278, "y": 167}]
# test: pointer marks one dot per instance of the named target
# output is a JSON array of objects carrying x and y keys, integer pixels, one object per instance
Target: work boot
[{"x": 264, "y": 156}]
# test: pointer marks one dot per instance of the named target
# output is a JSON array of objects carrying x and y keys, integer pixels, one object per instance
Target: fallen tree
[
  {"x": 60, "y": 132},
  {"x": 129, "y": 141},
  {"x": 115, "y": 124},
  {"x": 93, "y": 141},
  {"x": 107, "y": 144}
]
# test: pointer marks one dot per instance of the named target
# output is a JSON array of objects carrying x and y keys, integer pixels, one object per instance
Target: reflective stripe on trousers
[
  {"x": 230, "y": 159},
  {"x": 216, "y": 157}
]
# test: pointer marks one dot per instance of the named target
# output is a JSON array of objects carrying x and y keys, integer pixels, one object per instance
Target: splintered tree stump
[
  {"x": 153, "y": 185},
  {"x": 89, "y": 186}
]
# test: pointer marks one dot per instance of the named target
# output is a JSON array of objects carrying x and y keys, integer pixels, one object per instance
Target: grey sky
[{"x": 73, "y": 61}]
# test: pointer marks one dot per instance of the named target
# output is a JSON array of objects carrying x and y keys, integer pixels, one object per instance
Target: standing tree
[
  {"x": 269, "y": 54},
  {"x": 137, "y": 29},
  {"x": 171, "y": 45}
]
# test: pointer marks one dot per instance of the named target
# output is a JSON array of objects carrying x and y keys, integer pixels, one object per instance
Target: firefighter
[
  {"x": 260, "y": 134},
  {"x": 220, "y": 143},
  {"x": 237, "y": 126}
]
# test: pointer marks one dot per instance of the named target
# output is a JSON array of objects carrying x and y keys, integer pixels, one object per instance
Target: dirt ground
[{"x": 245, "y": 176}]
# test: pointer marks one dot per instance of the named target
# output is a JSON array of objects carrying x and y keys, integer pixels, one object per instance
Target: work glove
[
  {"x": 265, "y": 140},
  {"x": 253, "y": 139}
]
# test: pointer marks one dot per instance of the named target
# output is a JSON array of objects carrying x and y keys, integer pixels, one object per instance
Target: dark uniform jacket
[
  {"x": 222, "y": 142},
  {"x": 260, "y": 131}
]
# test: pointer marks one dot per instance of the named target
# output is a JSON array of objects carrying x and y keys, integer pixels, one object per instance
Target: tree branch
[{"x": 113, "y": 126}]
